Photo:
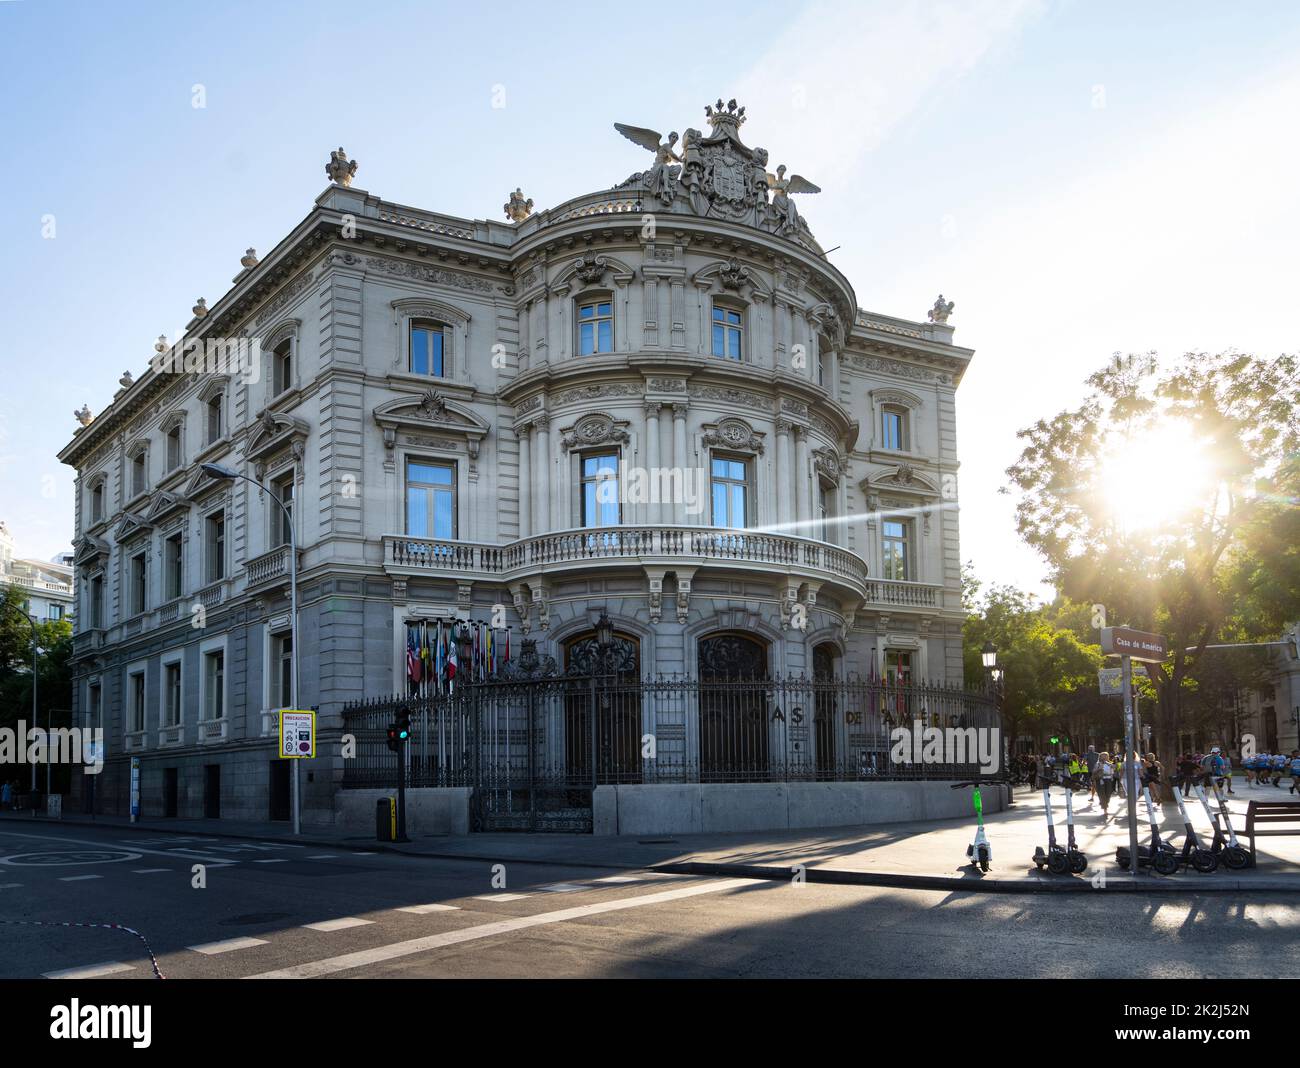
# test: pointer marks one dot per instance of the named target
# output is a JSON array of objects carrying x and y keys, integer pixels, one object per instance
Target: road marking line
[
  {"x": 323, "y": 856},
  {"x": 77, "y": 878},
  {"x": 10, "y": 886},
  {"x": 341, "y": 924},
  {"x": 562, "y": 888},
  {"x": 489, "y": 930},
  {"x": 171, "y": 854},
  {"x": 277, "y": 860},
  {"x": 420, "y": 910},
  {"x": 147, "y": 871},
  {"x": 499, "y": 897},
  {"x": 211, "y": 948},
  {"x": 282, "y": 845},
  {"x": 363, "y": 854},
  {"x": 618, "y": 879},
  {"x": 89, "y": 971}
]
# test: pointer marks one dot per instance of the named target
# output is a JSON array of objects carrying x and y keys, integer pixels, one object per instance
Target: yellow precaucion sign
[{"x": 297, "y": 733}]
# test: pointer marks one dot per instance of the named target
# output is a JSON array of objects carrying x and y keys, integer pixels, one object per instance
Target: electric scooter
[
  {"x": 1202, "y": 859},
  {"x": 1159, "y": 855},
  {"x": 979, "y": 851},
  {"x": 1234, "y": 855},
  {"x": 1060, "y": 859}
]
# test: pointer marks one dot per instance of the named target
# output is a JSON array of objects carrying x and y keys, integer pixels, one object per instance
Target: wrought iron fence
[{"x": 575, "y": 732}]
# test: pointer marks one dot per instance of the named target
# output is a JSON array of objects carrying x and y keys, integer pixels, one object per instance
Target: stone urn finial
[
  {"x": 83, "y": 415},
  {"x": 200, "y": 309},
  {"x": 249, "y": 259},
  {"x": 126, "y": 381},
  {"x": 160, "y": 346},
  {"x": 517, "y": 208},
  {"x": 340, "y": 169}
]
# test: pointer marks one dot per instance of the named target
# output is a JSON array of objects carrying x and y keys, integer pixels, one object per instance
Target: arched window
[
  {"x": 430, "y": 349},
  {"x": 732, "y": 670},
  {"x": 282, "y": 367}
]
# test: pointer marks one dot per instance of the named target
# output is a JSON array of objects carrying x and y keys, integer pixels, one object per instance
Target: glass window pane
[
  {"x": 586, "y": 340},
  {"x": 443, "y": 514},
  {"x": 719, "y": 504},
  {"x": 417, "y": 511},
  {"x": 419, "y": 351},
  {"x": 719, "y": 468},
  {"x": 737, "y": 506},
  {"x": 606, "y": 337},
  {"x": 719, "y": 341},
  {"x": 436, "y": 339},
  {"x": 587, "y": 311},
  {"x": 733, "y": 348}
]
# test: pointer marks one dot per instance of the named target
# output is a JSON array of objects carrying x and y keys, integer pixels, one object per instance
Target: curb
[{"x": 982, "y": 884}]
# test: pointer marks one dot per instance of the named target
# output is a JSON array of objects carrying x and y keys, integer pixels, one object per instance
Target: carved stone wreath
[
  {"x": 594, "y": 430},
  {"x": 734, "y": 434}
]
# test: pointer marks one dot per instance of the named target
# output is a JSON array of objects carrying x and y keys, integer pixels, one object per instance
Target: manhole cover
[{"x": 254, "y": 917}]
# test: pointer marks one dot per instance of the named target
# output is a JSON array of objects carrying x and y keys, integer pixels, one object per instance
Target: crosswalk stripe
[
  {"x": 211, "y": 948},
  {"x": 147, "y": 871},
  {"x": 499, "y": 897},
  {"x": 562, "y": 888},
  {"x": 420, "y": 910},
  {"x": 618, "y": 879},
  {"x": 77, "y": 878},
  {"x": 360, "y": 959},
  {"x": 275, "y": 860},
  {"x": 341, "y": 924},
  {"x": 89, "y": 971}
]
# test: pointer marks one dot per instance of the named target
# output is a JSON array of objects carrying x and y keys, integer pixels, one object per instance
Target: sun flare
[{"x": 1159, "y": 477}]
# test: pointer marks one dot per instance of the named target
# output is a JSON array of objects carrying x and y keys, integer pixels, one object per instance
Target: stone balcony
[
  {"x": 269, "y": 568},
  {"x": 656, "y": 546}
]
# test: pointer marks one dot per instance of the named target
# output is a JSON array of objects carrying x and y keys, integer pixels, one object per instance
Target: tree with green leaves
[
  {"x": 53, "y": 664},
  {"x": 1153, "y": 496}
]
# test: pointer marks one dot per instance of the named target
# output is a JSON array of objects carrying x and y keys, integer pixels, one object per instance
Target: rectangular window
[
  {"x": 430, "y": 499},
  {"x": 97, "y": 601},
  {"x": 595, "y": 328},
  {"x": 600, "y": 506},
  {"x": 727, "y": 332},
  {"x": 896, "y": 562},
  {"x": 214, "y": 682},
  {"x": 282, "y": 670},
  {"x": 171, "y": 694},
  {"x": 281, "y": 524},
  {"x": 216, "y": 547},
  {"x": 215, "y": 428},
  {"x": 137, "y": 702},
  {"x": 893, "y": 429},
  {"x": 282, "y": 367},
  {"x": 139, "y": 584},
  {"x": 97, "y": 503},
  {"x": 138, "y": 474},
  {"x": 94, "y": 705},
  {"x": 429, "y": 349},
  {"x": 730, "y": 490},
  {"x": 898, "y": 667},
  {"x": 173, "y": 566},
  {"x": 823, "y": 511},
  {"x": 56, "y": 611},
  {"x": 173, "y": 448}
]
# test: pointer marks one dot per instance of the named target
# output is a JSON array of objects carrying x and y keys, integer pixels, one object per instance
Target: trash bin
[{"x": 385, "y": 819}]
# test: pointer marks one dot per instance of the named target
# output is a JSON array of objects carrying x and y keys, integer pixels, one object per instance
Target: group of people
[
  {"x": 1105, "y": 776},
  {"x": 1263, "y": 768}
]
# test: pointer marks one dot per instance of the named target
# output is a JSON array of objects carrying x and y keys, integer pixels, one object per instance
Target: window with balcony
[
  {"x": 282, "y": 367},
  {"x": 214, "y": 684},
  {"x": 595, "y": 328},
  {"x": 282, "y": 524},
  {"x": 214, "y": 546},
  {"x": 430, "y": 348},
  {"x": 215, "y": 421},
  {"x": 139, "y": 583},
  {"x": 430, "y": 499},
  {"x": 600, "y": 503},
  {"x": 173, "y": 566},
  {"x": 731, "y": 490},
  {"x": 896, "y": 550},
  {"x": 728, "y": 332},
  {"x": 135, "y": 710},
  {"x": 171, "y": 703},
  {"x": 894, "y": 428}
]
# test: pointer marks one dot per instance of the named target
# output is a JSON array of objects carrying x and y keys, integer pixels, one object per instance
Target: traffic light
[
  {"x": 399, "y": 733},
  {"x": 393, "y": 742}
]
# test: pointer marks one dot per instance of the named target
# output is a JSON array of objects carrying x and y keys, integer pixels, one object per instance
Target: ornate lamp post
[{"x": 227, "y": 474}]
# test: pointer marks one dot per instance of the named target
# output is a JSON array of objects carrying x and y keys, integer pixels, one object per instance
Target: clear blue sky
[{"x": 1079, "y": 177}]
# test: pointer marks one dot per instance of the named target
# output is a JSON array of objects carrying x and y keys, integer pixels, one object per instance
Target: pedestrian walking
[
  {"x": 6, "y": 796},
  {"x": 1104, "y": 778},
  {"x": 1090, "y": 759}
]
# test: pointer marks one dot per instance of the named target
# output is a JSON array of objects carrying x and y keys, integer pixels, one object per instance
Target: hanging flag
[
  {"x": 452, "y": 658},
  {"x": 413, "y": 665}
]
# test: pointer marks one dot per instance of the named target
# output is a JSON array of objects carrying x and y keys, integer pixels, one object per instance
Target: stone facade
[{"x": 841, "y": 423}]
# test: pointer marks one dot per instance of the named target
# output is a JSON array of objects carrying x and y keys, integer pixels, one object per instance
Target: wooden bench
[{"x": 1270, "y": 812}]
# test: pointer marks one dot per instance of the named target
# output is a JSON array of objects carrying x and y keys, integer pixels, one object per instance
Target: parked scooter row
[
  {"x": 1060, "y": 859},
  {"x": 1165, "y": 859}
]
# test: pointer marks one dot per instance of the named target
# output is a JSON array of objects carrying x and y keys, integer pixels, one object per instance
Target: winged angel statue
[
  {"x": 782, "y": 212},
  {"x": 660, "y": 179}
]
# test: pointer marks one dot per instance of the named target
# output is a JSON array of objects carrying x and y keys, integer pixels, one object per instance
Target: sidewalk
[{"x": 925, "y": 855}]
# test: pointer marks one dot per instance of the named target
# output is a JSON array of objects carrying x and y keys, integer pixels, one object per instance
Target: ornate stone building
[{"x": 658, "y": 401}]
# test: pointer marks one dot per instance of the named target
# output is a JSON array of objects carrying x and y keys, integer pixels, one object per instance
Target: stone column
[
  {"x": 524, "y": 433},
  {"x": 781, "y": 477},
  {"x": 802, "y": 483},
  {"x": 542, "y": 481},
  {"x": 654, "y": 510},
  {"x": 682, "y": 462}
]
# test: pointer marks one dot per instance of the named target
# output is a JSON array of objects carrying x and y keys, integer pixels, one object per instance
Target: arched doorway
[
  {"x": 608, "y": 689},
  {"x": 825, "y": 708},
  {"x": 734, "y": 744}
]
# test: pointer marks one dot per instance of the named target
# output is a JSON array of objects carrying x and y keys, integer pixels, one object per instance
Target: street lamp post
[
  {"x": 35, "y": 708},
  {"x": 226, "y": 474}
]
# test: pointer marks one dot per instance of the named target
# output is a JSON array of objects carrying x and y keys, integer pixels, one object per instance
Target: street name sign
[
  {"x": 297, "y": 733},
  {"x": 1135, "y": 644}
]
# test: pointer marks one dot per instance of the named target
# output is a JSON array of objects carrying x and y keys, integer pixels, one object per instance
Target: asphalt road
[{"x": 302, "y": 911}]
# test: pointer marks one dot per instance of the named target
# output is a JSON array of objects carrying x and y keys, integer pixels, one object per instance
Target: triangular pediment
[
  {"x": 272, "y": 431},
  {"x": 164, "y": 504},
  {"x": 131, "y": 526},
  {"x": 430, "y": 409},
  {"x": 90, "y": 550}
]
